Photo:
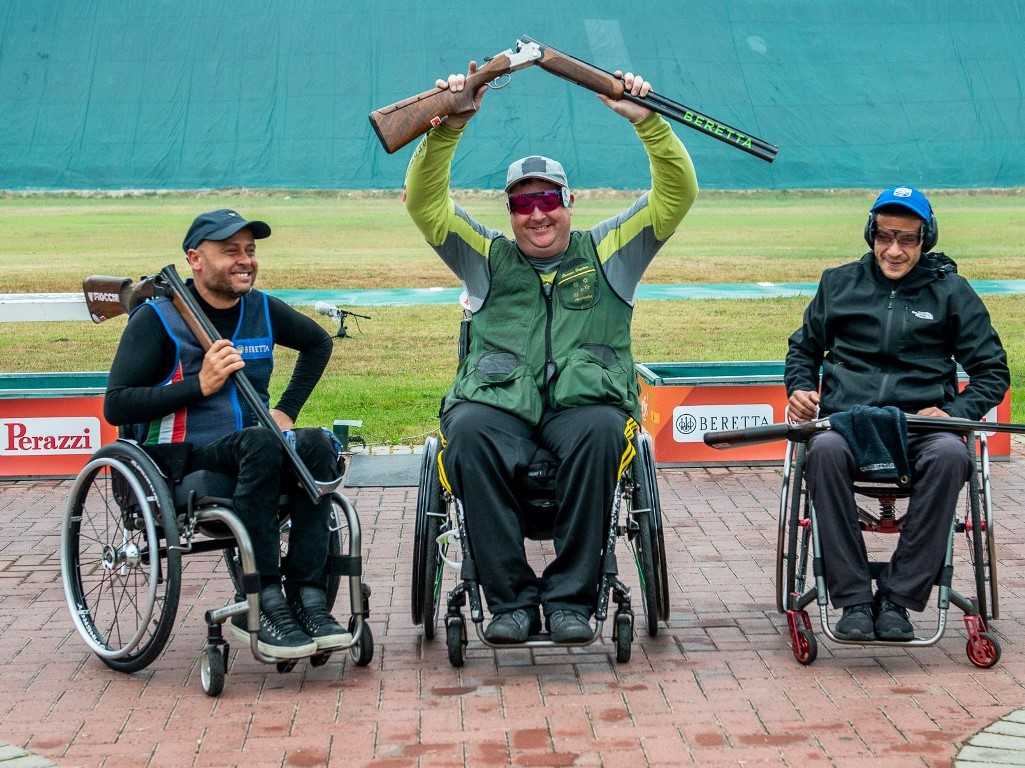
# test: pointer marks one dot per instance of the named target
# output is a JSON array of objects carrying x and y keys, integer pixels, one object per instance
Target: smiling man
[
  {"x": 549, "y": 361},
  {"x": 889, "y": 329},
  {"x": 164, "y": 389}
]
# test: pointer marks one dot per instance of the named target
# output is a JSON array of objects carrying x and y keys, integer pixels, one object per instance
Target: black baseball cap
[{"x": 220, "y": 225}]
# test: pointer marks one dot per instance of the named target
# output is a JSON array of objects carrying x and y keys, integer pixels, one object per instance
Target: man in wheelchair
[
  {"x": 171, "y": 396},
  {"x": 888, "y": 330},
  {"x": 548, "y": 362}
]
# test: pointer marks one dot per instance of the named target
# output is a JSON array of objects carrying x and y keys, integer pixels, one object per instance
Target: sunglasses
[
  {"x": 886, "y": 238},
  {"x": 547, "y": 201}
]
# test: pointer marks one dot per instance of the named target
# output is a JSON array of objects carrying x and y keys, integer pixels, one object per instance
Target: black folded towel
[{"x": 878, "y": 438}]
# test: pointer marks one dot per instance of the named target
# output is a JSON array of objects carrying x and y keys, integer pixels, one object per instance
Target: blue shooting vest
[{"x": 222, "y": 413}]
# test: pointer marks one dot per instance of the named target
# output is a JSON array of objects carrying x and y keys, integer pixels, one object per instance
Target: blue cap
[
  {"x": 904, "y": 197},
  {"x": 220, "y": 225}
]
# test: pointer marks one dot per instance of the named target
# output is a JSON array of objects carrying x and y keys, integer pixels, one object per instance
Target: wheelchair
[
  {"x": 126, "y": 528},
  {"x": 440, "y": 528},
  {"x": 798, "y": 538}
]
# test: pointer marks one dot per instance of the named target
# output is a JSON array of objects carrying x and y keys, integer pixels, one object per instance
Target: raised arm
[
  {"x": 460, "y": 241},
  {"x": 628, "y": 242}
]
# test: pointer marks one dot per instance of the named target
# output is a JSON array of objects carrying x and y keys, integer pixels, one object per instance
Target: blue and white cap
[{"x": 904, "y": 197}]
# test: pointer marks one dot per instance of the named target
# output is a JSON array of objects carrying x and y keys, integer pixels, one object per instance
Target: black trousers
[
  {"x": 486, "y": 450},
  {"x": 256, "y": 458},
  {"x": 940, "y": 465}
]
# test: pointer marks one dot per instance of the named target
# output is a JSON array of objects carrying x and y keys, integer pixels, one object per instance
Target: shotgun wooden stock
[
  {"x": 107, "y": 297},
  {"x": 398, "y": 124}
]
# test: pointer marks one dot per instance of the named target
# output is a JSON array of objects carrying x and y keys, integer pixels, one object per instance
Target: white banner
[
  {"x": 690, "y": 422},
  {"x": 49, "y": 436}
]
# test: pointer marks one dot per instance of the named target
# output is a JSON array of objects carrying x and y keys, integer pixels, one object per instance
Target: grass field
[{"x": 393, "y": 375}]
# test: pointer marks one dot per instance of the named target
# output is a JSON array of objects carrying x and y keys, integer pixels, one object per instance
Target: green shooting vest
[{"x": 530, "y": 352}]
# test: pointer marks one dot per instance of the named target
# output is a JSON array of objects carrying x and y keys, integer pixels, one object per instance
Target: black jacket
[{"x": 881, "y": 342}]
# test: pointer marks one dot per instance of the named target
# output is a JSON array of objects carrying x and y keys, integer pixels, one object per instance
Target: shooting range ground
[{"x": 393, "y": 373}]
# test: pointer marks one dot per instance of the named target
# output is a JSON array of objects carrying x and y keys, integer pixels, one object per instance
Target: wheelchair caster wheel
[
  {"x": 983, "y": 650},
  {"x": 286, "y": 665},
  {"x": 623, "y": 635},
  {"x": 455, "y": 639},
  {"x": 212, "y": 668},
  {"x": 363, "y": 650},
  {"x": 806, "y": 647},
  {"x": 319, "y": 659}
]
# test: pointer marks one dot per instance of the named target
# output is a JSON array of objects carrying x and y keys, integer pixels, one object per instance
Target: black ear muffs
[{"x": 930, "y": 233}]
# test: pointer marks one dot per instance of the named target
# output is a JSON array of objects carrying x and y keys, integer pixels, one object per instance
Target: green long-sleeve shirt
[{"x": 626, "y": 243}]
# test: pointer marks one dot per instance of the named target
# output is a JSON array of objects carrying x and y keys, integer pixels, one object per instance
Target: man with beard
[{"x": 164, "y": 389}]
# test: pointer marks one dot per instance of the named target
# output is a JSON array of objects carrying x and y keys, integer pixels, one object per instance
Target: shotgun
[
  {"x": 108, "y": 297},
  {"x": 802, "y": 432},
  {"x": 398, "y": 124}
]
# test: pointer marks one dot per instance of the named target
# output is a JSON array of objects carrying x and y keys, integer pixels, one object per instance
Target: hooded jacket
[{"x": 882, "y": 342}]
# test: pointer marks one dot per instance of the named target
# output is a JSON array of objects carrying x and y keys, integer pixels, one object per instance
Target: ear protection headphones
[{"x": 930, "y": 232}]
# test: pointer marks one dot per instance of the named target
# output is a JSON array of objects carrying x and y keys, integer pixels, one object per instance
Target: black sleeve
[
  {"x": 143, "y": 360},
  {"x": 296, "y": 331},
  {"x": 979, "y": 351},
  {"x": 807, "y": 346}
]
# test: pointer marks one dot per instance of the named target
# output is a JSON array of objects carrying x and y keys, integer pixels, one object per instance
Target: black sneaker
[
  {"x": 856, "y": 623},
  {"x": 309, "y": 606},
  {"x": 893, "y": 623},
  {"x": 569, "y": 627},
  {"x": 280, "y": 636},
  {"x": 513, "y": 626}
]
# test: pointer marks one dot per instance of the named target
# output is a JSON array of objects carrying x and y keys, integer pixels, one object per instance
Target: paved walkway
[{"x": 718, "y": 687}]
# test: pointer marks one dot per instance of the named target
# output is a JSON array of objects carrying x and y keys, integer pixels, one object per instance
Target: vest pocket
[
  {"x": 497, "y": 378},
  {"x": 593, "y": 374}
]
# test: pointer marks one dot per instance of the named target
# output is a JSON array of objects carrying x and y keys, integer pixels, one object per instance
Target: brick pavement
[{"x": 718, "y": 687}]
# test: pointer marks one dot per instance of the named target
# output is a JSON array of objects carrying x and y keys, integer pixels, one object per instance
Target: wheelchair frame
[
  {"x": 145, "y": 520},
  {"x": 440, "y": 525},
  {"x": 798, "y": 534}
]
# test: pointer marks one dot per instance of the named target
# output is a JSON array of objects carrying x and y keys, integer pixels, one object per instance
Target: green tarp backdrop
[{"x": 275, "y": 93}]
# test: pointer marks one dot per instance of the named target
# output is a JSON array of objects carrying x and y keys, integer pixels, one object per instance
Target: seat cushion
[{"x": 210, "y": 488}]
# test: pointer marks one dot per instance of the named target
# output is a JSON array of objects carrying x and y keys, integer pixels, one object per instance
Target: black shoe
[
  {"x": 856, "y": 623},
  {"x": 893, "y": 623},
  {"x": 513, "y": 626},
  {"x": 569, "y": 627},
  {"x": 280, "y": 636},
  {"x": 309, "y": 606}
]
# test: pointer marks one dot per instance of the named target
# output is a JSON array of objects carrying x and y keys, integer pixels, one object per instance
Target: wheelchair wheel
[
  {"x": 976, "y": 530},
  {"x": 989, "y": 533},
  {"x": 797, "y": 535},
  {"x": 790, "y": 478},
  {"x": 212, "y": 667},
  {"x": 428, "y": 567},
  {"x": 120, "y": 562},
  {"x": 649, "y": 542},
  {"x": 455, "y": 640},
  {"x": 362, "y": 652}
]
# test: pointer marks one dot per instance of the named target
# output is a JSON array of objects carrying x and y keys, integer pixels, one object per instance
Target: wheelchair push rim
[
  {"x": 428, "y": 551},
  {"x": 110, "y": 578},
  {"x": 649, "y": 542}
]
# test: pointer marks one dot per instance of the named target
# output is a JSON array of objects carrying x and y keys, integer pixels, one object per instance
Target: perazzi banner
[{"x": 47, "y": 437}]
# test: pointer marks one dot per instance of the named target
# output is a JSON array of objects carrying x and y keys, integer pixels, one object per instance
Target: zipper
[
  {"x": 546, "y": 292},
  {"x": 886, "y": 342}
]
